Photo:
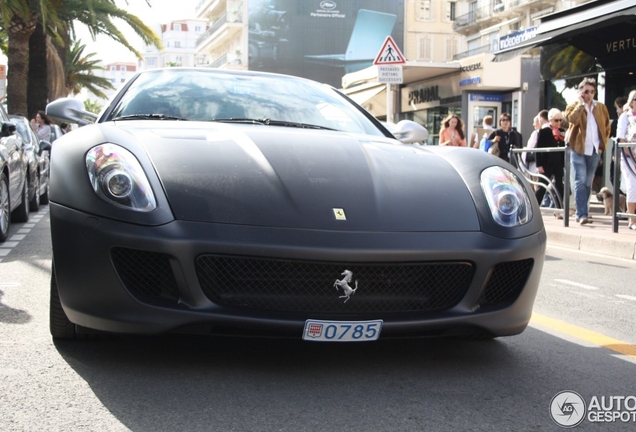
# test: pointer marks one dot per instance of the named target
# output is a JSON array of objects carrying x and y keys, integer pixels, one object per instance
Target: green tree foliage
[
  {"x": 79, "y": 73},
  {"x": 57, "y": 18},
  {"x": 92, "y": 106}
]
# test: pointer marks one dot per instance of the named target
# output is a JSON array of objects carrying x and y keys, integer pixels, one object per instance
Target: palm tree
[
  {"x": 19, "y": 19},
  {"x": 92, "y": 106},
  {"x": 79, "y": 73}
]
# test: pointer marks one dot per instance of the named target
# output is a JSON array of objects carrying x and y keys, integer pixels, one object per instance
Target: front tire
[
  {"x": 59, "y": 324},
  {"x": 5, "y": 215},
  {"x": 21, "y": 214}
]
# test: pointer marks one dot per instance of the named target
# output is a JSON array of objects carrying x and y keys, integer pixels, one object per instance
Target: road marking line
[
  {"x": 576, "y": 284},
  {"x": 586, "y": 335},
  {"x": 8, "y": 246},
  {"x": 628, "y": 297}
]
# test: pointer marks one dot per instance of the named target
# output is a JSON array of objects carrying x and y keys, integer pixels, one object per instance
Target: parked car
[
  {"x": 56, "y": 132},
  {"x": 253, "y": 203},
  {"x": 14, "y": 186},
  {"x": 38, "y": 153}
]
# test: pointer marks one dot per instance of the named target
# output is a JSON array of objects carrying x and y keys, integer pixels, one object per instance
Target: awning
[
  {"x": 362, "y": 96},
  {"x": 574, "y": 27}
]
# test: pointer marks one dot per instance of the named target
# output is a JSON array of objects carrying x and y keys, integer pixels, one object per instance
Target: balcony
[
  {"x": 472, "y": 52},
  {"x": 496, "y": 10},
  {"x": 224, "y": 28}
]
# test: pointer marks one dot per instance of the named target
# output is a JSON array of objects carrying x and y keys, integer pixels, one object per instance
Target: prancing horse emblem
[{"x": 344, "y": 284}]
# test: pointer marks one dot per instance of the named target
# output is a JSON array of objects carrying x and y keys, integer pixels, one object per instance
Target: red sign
[{"x": 389, "y": 54}]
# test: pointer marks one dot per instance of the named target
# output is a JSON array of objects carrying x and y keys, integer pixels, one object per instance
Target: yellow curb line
[{"x": 586, "y": 335}]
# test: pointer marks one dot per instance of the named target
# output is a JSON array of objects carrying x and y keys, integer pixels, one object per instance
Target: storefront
[
  {"x": 478, "y": 88},
  {"x": 471, "y": 89},
  {"x": 596, "y": 39}
]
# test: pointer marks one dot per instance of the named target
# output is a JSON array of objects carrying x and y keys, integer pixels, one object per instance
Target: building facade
[{"x": 179, "y": 40}]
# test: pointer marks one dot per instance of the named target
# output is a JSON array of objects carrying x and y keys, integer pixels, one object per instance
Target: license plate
[{"x": 342, "y": 331}]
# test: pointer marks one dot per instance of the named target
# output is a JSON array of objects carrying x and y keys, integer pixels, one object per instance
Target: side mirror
[
  {"x": 408, "y": 132},
  {"x": 45, "y": 146},
  {"x": 8, "y": 129},
  {"x": 70, "y": 110}
]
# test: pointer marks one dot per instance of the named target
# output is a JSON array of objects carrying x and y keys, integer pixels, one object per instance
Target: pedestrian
[
  {"x": 41, "y": 125},
  {"x": 588, "y": 132},
  {"x": 486, "y": 127},
  {"x": 626, "y": 132},
  {"x": 551, "y": 165},
  {"x": 529, "y": 158},
  {"x": 452, "y": 132},
  {"x": 505, "y": 137}
]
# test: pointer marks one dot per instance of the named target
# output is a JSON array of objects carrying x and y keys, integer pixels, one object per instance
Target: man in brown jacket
[{"x": 588, "y": 132}]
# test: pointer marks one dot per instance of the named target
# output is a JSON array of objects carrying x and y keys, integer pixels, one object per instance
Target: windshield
[
  {"x": 212, "y": 95},
  {"x": 23, "y": 128}
]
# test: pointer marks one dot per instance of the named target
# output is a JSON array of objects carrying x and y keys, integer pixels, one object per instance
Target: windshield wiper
[
  {"x": 148, "y": 117},
  {"x": 270, "y": 122}
]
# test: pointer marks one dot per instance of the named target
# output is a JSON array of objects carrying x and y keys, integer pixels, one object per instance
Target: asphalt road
[{"x": 578, "y": 341}]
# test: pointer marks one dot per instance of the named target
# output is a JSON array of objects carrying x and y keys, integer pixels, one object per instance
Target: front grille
[
  {"x": 505, "y": 284},
  {"x": 290, "y": 286},
  {"x": 146, "y": 275}
]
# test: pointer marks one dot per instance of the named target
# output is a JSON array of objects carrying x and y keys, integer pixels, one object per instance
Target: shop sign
[
  {"x": 3, "y": 76},
  {"x": 423, "y": 95},
  {"x": 516, "y": 38},
  {"x": 471, "y": 67},
  {"x": 485, "y": 97},
  {"x": 470, "y": 81},
  {"x": 620, "y": 45}
]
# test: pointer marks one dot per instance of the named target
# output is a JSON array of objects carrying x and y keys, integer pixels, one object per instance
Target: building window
[
  {"x": 122, "y": 80},
  {"x": 122, "y": 68},
  {"x": 424, "y": 10},
  {"x": 451, "y": 10},
  {"x": 179, "y": 60},
  {"x": 113, "y": 68},
  {"x": 151, "y": 62},
  {"x": 197, "y": 29},
  {"x": 450, "y": 49},
  {"x": 177, "y": 27},
  {"x": 424, "y": 50},
  {"x": 177, "y": 44}
]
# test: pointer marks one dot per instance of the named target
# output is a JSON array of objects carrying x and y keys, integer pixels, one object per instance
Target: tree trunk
[
  {"x": 38, "y": 88},
  {"x": 19, "y": 33}
]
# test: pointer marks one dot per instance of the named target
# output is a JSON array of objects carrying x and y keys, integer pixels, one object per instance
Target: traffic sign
[
  {"x": 389, "y": 54},
  {"x": 390, "y": 74}
]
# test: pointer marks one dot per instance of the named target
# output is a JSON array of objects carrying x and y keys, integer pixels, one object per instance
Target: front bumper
[{"x": 104, "y": 289}]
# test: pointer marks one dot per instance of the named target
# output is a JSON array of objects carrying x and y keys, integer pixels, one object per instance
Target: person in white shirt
[{"x": 626, "y": 132}]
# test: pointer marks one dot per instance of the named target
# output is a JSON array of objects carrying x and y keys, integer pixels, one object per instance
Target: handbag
[{"x": 494, "y": 149}]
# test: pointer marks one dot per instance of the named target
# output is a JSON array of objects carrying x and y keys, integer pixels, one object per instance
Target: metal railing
[
  {"x": 561, "y": 201},
  {"x": 554, "y": 193},
  {"x": 619, "y": 151},
  {"x": 216, "y": 25}
]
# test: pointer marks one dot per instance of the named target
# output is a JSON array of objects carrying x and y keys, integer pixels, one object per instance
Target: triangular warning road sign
[{"x": 389, "y": 54}]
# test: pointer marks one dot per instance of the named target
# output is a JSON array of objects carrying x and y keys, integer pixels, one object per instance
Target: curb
[{"x": 619, "y": 248}]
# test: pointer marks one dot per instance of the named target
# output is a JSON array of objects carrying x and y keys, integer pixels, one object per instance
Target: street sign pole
[{"x": 389, "y": 62}]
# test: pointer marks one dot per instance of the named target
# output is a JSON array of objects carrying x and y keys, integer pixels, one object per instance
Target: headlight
[
  {"x": 507, "y": 198},
  {"x": 117, "y": 177}
]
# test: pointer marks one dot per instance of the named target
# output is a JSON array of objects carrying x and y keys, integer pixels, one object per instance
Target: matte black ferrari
[{"x": 226, "y": 202}]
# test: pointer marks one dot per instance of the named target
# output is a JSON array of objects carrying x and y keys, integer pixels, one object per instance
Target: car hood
[{"x": 300, "y": 178}]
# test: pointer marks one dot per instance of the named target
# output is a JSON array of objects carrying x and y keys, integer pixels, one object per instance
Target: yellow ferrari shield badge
[{"x": 339, "y": 214}]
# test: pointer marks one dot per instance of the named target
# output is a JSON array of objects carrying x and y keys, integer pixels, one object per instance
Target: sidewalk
[{"x": 596, "y": 237}]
